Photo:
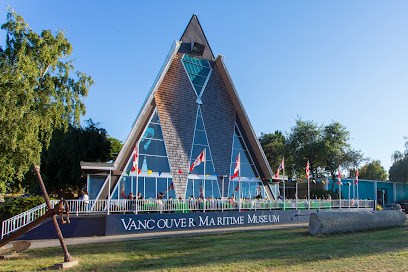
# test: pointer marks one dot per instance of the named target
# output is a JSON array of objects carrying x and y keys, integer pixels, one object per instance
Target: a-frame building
[{"x": 193, "y": 105}]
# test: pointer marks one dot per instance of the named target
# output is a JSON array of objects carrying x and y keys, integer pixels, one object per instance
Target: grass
[{"x": 271, "y": 250}]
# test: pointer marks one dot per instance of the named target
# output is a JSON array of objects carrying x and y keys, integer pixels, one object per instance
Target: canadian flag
[
  {"x": 198, "y": 161},
  {"x": 307, "y": 170},
  {"x": 339, "y": 178},
  {"x": 281, "y": 166},
  {"x": 135, "y": 159},
  {"x": 237, "y": 167},
  {"x": 356, "y": 176}
]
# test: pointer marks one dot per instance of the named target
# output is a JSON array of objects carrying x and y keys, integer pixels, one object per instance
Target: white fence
[{"x": 178, "y": 206}]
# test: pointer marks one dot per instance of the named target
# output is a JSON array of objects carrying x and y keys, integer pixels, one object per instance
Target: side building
[{"x": 192, "y": 106}]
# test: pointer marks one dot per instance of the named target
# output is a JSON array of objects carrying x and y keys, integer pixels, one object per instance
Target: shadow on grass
[{"x": 272, "y": 248}]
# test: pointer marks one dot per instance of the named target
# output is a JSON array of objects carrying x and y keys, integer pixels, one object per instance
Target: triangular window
[
  {"x": 198, "y": 71},
  {"x": 247, "y": 165},
  {"x": 199, "y": 144},
  {"x": 152, "y": 150}
]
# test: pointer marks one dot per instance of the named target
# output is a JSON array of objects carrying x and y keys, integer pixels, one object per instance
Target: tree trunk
[{"x": 333, "y": 180}]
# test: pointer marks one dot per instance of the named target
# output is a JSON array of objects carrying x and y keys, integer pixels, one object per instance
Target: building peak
[{"x": 195, "y": 33}]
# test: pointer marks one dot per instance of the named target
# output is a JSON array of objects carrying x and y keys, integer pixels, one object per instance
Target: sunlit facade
[{"x": 193, "y": 106}]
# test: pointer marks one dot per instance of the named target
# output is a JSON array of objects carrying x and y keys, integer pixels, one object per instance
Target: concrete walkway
[{"x": 153, "y": 235}]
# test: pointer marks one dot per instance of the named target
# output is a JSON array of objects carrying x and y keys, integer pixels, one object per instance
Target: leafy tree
[
  {"x": 337, "y": 151},
  {"x": 274, "y": 146},
  {"x": 304, "y": 144},
  {"x": 116, "y": 146},
  {"x": 373, "y": 171},
  {"x": 60, "y": 163},
  {"x": 39, "y": 92},
  {"x": 399, "y": 168}
]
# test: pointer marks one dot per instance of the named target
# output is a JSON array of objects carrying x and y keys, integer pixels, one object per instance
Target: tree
[
  {"x": 40, "y": 92},
  {"x": 373, "y": 171},
  {"x": 337, "y": 151},
  {"x": 304, "y": 144},
  {"x": 274, "y": 147},
  {"x": 60, "y": 163},
  {"x": 399, "y": 168},
  {"x": 116, "y": 146}
]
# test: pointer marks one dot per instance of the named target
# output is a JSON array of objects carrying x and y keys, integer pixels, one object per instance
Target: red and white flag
[
  {"x": 356, "y": 176},
  {"x": 339, "y": 178},
  {"x": 171, "y": 187},
  {"x": 198, "y": 161},
  {"x": 307, "y": 170},
  {"x": 281, "y": 166},
  {"x": 237, "y": 167},
  {"x": 236, "y": 188},
  {"x": 135, "y": 159}
]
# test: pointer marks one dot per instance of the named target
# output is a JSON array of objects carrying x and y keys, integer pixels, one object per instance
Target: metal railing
[
  {"x": 179, "y": 206},
  {"x": 16, "y": 222}
]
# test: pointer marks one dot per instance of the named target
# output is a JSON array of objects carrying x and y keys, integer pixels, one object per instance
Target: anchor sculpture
[{"x": 60, "y": 209}]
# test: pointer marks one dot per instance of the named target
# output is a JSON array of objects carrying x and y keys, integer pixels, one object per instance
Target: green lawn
[{"x": 272, "y": 250}]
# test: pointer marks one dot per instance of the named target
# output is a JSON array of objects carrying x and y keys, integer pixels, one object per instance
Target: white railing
[
  {"x": 16, "y": 222},
  {"x": 178, "y": 206}
]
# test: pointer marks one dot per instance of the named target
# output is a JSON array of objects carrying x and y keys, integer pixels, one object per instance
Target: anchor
[{"x": 61, "y": 209}]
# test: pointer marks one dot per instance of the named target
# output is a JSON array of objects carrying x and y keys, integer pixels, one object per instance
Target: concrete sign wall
[{"x": 149, "y": 222}]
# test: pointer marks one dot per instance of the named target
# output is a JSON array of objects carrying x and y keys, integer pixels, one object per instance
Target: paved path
[{"x": 154, "y": 235}]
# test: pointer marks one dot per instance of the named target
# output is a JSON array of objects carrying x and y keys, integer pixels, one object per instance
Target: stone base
[
  {"x": 65, "y": 265},
  {"x": 7, "y": 256}
]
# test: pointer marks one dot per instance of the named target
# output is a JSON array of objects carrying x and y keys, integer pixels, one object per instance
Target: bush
[{"x": 16, "y": 206}]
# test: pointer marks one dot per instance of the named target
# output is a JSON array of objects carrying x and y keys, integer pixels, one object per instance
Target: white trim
[
  {"x": 89, "y": 167},
  {"x": 169, "y": 59}
]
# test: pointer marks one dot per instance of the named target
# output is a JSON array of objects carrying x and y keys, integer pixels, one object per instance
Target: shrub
[{"x": 16, "y": 206}]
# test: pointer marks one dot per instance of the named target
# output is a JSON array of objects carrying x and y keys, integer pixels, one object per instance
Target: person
[
  {"x": 130, "y": 196},
  {"x": 85, "y": 199}
]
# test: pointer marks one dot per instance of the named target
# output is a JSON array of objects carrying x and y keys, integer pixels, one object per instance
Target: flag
[
  {"x": 356, "y": 176},
  {"x": 236, "y": 188},
  {"x": 201, "y": 191},
  {"x": 281, "y": 166},
  {"x": 171, "y": 187},
  {"x": 339, "y": 177},
  {"x": 135, "y": 158},
  {"x": 258, "y": 189},
  {"x": 307, "y": 170},
  {"x": 237, "y": 167},
  {"x": 122, "y": 189},
  {"x": 198, "y": 161}
]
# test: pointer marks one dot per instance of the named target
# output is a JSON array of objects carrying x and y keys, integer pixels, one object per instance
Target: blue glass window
[
  {"x": 196, "y": 186},
  {"x": 152, "y": 149},
  {"x": 238, "y": 147},
  {"x": 198, "y": 71},
  {"x": 200, "y": 143}
]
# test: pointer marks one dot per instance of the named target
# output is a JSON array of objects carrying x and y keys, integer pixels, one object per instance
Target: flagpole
[
  {"x": 308, "y": 192},
  {"x": 205, "y": 158},
  {"x": 239, "y": 182},
  {"x": 296, "y": 194},
  {"x": 349, "y": 195},
  {"x": 283, "y": 179}
]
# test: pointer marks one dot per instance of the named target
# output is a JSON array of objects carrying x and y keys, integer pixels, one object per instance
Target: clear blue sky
[{"x": 344, "y": 61}]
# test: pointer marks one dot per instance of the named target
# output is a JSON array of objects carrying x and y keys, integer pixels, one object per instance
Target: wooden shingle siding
[
  {"x": 219, "y": 119},
  {"x": 176, "y": 103}
]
